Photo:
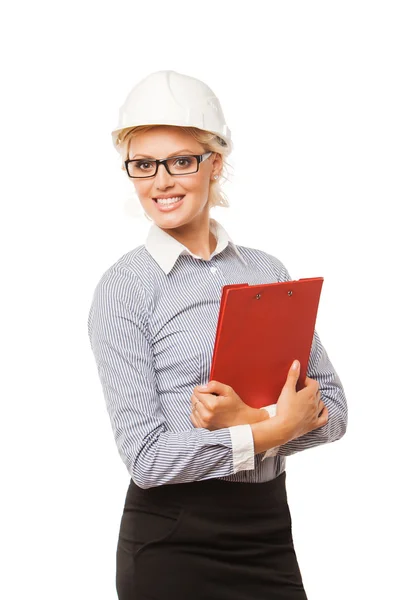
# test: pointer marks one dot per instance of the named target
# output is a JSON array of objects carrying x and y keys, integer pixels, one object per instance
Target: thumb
[{"x": 293, "y": 373}]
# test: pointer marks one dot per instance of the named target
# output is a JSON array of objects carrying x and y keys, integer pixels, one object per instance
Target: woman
[{"x": 194, "y": 523}]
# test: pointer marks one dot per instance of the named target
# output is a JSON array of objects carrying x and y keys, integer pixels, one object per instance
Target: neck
[{"x": 196, "y": 236}]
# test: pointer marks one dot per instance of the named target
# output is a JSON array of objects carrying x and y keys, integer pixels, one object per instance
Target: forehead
[{"x": 161, "y": 141}]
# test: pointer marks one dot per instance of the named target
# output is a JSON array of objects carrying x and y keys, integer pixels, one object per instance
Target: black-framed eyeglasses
[{"x": 175, "y": 165}]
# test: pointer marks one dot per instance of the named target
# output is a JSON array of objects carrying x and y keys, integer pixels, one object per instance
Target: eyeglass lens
[{"x": 178, "y": 165}]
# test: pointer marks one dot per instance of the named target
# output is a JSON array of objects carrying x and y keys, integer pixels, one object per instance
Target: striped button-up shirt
[{"x": 152, "y": 325}]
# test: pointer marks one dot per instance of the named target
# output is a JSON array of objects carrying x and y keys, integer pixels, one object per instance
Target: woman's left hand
[{"x": 226, "y": 409}]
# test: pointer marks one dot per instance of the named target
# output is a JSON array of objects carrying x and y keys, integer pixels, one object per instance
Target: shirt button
[{"x": 213, "y": 269}]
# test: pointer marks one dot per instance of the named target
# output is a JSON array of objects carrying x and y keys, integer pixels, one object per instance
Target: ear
[{"x": 217, "y": 162}]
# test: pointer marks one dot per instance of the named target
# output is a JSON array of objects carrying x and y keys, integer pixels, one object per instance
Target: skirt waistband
[{"x": 211, "y": 492}]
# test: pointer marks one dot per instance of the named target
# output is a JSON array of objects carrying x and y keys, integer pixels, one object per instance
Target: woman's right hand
[{"x": 298, "y": 411}]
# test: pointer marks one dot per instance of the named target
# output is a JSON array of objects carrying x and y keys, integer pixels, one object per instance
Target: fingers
[
  {"x": 214, "y": 387},
  {"x": 196, "y": 405},
  {"x": 313, "y": 392},
  {"x": 194, "y": 419},
  {"x": 311, "y": 384},
  {"x": 320, "y": 407},
  {"x": 323, "y": 417},
  {"x": 200, "y": 414},
  {"x": 194, "y": 400},
  {"x": 293, "y": 374}
]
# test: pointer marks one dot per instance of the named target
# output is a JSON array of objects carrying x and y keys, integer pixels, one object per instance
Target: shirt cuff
[
  {"x": 243, "y": 447},
  {"x": 271, "y": 408}
]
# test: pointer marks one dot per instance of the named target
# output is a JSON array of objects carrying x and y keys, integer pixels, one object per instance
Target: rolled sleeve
[{"x": 243, "y": 447}]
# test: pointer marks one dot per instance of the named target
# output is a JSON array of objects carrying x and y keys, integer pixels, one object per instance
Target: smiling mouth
[{"x": 169, "y": 200}]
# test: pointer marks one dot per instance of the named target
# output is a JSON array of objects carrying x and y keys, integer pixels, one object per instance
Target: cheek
[
  {"x": 188, "y": 184},
  {"x": 201, "y": 185},
  {"x": 199, "y": 181},
  {"x": 143, "y": 190}
]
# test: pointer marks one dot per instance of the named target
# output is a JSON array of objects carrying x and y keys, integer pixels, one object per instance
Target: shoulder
[
  {"x": 125, "y": 279},
  {"x": 266, "y": 262}
]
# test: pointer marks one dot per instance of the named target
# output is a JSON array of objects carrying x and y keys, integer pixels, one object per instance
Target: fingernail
[
  {"x": 202, "y": 387},
  {"x": 295, "y": 364}
]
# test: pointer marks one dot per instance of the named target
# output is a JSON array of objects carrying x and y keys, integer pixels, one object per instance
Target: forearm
[
  {"x": 168, "y": 457},
  {"x": 252, "y": 416},
  {"x": 268, "y": 434}
]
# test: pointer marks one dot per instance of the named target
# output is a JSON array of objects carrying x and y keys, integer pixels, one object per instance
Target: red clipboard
[{"x": 261, "y": 330}]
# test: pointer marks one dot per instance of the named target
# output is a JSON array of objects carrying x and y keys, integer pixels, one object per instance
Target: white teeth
[{"x": 169, "y": 200}]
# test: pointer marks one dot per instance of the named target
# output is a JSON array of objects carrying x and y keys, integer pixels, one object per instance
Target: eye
[
  {"x": 185, "y": 161},
  {"x": 141, "y": 163}
]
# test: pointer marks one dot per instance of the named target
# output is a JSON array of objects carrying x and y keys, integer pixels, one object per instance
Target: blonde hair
[{"x": 211, "y": 143}]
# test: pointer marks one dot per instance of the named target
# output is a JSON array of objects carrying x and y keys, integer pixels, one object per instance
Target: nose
[{"x": 162, "y": 177}]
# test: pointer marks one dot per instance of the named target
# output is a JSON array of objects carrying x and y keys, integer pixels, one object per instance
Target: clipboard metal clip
[{"x": 290, "y": 293}]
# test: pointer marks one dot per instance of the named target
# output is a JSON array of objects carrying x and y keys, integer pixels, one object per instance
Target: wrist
[
  {"x": 255, "y": 415},
  {"x": 285, "y": 429},
  {"x": 270, "y": 434}
]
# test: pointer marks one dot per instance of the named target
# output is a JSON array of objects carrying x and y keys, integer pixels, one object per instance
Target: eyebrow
[{"x": 177, "y": 153}]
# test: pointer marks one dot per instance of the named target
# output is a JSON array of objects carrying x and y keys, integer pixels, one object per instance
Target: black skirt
[{"x": 208, "y": 540}]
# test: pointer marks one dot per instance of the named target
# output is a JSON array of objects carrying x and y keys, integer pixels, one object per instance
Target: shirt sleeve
[
  {"x": 243, "y": 447},
  {"x": 122, "y": 347},
  {"x": 333, "y": 396}
]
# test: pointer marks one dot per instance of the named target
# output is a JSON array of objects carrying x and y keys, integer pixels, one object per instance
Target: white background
[{"x": 310, "y": 91}]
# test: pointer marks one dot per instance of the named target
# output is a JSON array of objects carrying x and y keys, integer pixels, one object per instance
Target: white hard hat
[{"x": 171, "y": 98}]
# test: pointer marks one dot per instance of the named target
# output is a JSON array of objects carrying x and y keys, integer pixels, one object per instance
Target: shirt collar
[{"x": 165, "y": 249}]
